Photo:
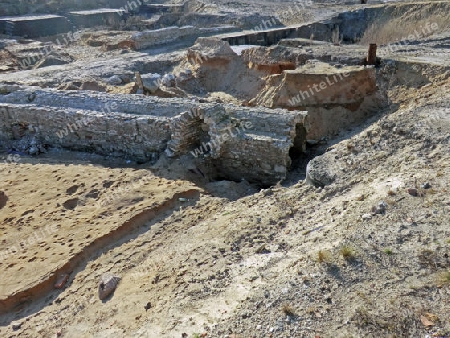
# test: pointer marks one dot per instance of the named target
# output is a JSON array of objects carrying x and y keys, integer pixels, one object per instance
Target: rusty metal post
[{"x": 372, "y": 54}]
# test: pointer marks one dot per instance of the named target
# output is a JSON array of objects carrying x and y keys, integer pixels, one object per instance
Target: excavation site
[{"x": 233, "y": 169}]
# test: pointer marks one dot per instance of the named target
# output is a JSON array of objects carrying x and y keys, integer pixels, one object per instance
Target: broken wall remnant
[
  {"x": 147, "y": 39},
  {"x": 218, "y": 68},
  {"x": 35, "y": 26},
  {"x": 97, "y": 17},
  {"x": 160, "y": 36},
  {"x": 142, "y": 127},
  {"x": 335, "y": 98},
  {"x": 161, "y": 8}
]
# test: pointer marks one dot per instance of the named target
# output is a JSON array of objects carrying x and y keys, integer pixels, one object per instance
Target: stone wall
[
  {"x": 121, "y": 135},
  {"x": 18, "y": 7},
  {"x": 335, "y": 98},
  {"x": 99, "y": 17},
  {"x": 159, "y": 36},
  {"x": 259, "y": 151},
  {"x": 161, "y": 8},
  {"x": 150, "y": 38},
  {"x": 250, "y": 143},
  {"x": 35, "y": 26}
]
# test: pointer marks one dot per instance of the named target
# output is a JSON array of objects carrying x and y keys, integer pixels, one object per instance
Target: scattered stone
[
  {"x": 61, "y": 281},
  {"x": 107, "y": 285},
  {"x": 380, "y": 208},
  {"x": 413, "y": 191},
  {"x": 147, "y": 306},
  {"x": 168, "y": 80},
  {"x": 262, "y": 250},
  {"x": 16, "y": 325},
  {"x": 151, "y": 82},
  {"x": 366, "y": 216},
  {"x": 360, "y": 197},
  {"x": 33, "y": 150},
  {"x": 114, "y": 80},
  {"x": 93, "y": 85},
  {"x": 320, "y": 171},
  {"x": 426, "y": 185}
]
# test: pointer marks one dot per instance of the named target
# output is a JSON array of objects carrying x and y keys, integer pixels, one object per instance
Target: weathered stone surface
[
  {"x": 54, "y": 59},
  {"x": 321, "y": 171},
  {"x": 151, "y": 81},
  {"x": 107, "y": 284},
  {"x": 160, "y": 36},
  {"x": 98, "y": 17},
  {"x": 335, "y": 98},
  {"x": 165, "y": 35},
  {"x": 242, "y": 142},
  {"x": 35, "y": 26}
]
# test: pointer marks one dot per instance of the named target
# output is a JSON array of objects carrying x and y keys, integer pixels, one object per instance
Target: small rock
[
  {"x": 426, "y": 185},
  {"x": 380, "y": 208},
  {"x": 366, "y": 216},
  {"x": 168, "y": 80},
  {"x": 151, "y": 82},
  {"x": 16, "y": 325},
  {"x": 412, "y": 191},
  {"x": 33, "y": 150},
  {"x": 94, "y": 86},
  {"x": 262, "y": 250},
  {"x": 359, "y": 198},
  {"x": 114, "y": 80},
  {"x": 61, "y": 281},
  {"x": 107, "y": 285}
]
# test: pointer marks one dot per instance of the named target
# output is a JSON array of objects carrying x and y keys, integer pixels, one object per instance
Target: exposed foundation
[{"x": 250, "y": 143}]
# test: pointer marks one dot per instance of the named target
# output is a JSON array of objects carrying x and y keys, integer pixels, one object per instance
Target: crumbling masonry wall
[
  {"x": 141, "y": 128},
  {"x": 35, "y": 26}
]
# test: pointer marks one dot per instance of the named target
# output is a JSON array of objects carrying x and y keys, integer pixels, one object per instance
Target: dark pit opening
[{"x": 299, "y": 147}]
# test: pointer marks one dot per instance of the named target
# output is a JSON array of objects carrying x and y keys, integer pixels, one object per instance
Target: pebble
[
  {"x": 412, "y": 191},
  {"x": 366, "y": 216},
  {"x": 114, "y": 80},
  {"x": 426, "y": 185},
  {"x": 380, "y": 208},
  {"x": 16, "y": 325}
]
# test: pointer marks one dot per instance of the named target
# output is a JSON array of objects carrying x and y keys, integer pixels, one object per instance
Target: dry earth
[{"x": 365, "y": 256}]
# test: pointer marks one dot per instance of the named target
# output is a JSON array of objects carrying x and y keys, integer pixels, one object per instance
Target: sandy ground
[{"x": 203, "y": 258}]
